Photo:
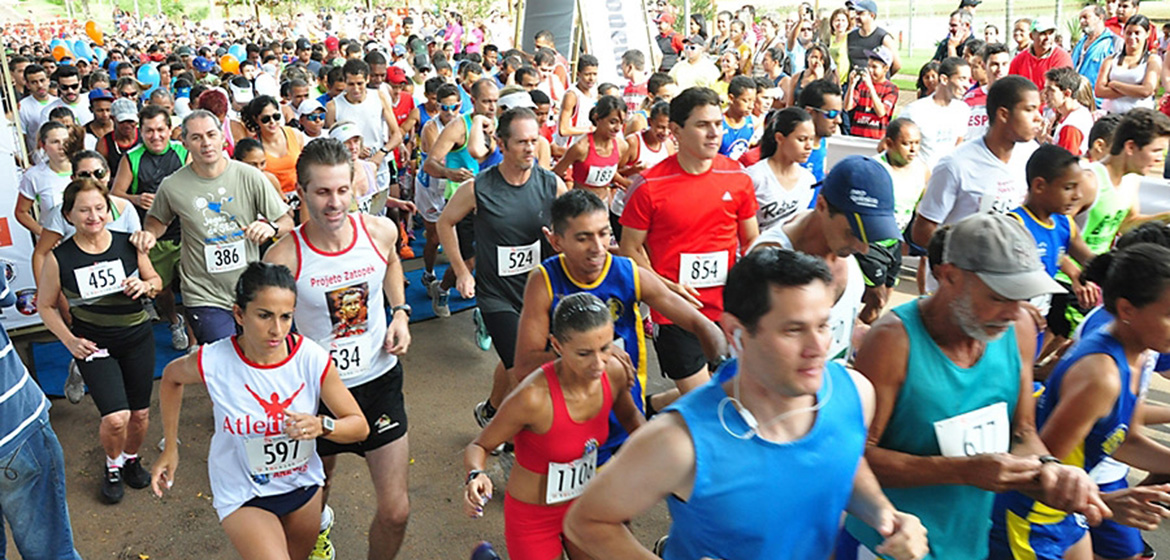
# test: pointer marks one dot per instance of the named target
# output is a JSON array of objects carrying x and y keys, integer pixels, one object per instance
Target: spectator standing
[
  {"x": 960, "y": 34},
  {"x": 1042, "y": 56},
  {"x": 1096, "y": 44},
  {"x": 871, "y": 97},
  {"x": 868, "y": 36},
  {"x": 942, "y": 117},
  {"x": 669, "y": 42},
  {"x": 1130, "y": 79},
  {"x": 1021, "y": 35},
  {"x": 695, "y": 69}
]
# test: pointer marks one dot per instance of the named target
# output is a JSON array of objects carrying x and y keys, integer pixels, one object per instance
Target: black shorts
[
  {"x": 615, "y": 226},
  {"x": 502, "y": 326},
  {"x": 383, "y": 406},
  {"x": 680, "y": 355},
  {"x": 1065, "y": 314},
  {"x": 882, "y": 264},
  {"x": 281, "y": 505},
  {"x": 124, "y": 380},
  {"x": 465, "y": 229}
]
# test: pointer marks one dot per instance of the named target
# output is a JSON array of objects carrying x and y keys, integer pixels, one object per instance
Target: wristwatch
[
  {"x": 472, "y": 474},
  {"x": 383, "y": 150},
  {"x": 404, "y": 307},
  {"x": 327, "y": 425}
]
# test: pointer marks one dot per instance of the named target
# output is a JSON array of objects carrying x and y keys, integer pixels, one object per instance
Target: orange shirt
[{"x": 285, "y": 168}]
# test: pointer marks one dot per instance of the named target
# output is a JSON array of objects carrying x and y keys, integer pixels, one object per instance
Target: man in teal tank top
[
  {"x": 952, "y": 376},
  {"x": 761, "y": 461}
]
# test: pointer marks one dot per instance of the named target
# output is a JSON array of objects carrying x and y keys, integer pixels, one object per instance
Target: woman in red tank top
[
  {"x": 557, "y": 417},
  {"x": 596, "y": 158}
]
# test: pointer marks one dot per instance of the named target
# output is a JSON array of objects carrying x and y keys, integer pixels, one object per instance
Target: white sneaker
[
  {"x": 179, "y": 339},
  {"x": 74, "y": 385}
]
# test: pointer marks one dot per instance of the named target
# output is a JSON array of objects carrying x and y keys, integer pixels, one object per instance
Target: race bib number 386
[{"x": 226, "y": 257}]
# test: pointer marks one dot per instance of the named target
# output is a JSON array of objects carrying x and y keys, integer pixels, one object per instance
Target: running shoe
[
  {"x": 427, "y": 278},
  {"x": 484, "y": 551},
  {"x": 482, "y": 338},
  {"x": 1147, "y": 551},
  {"x": 323, "y": 550},
  {"x": 439, "y": 298},
  {"x": 135, "y": 476},
  {"x": 481, "y": 415},
  {"x": 112, "y": 489},
  {"x": 179, "y": 339},
  {"x": 74, "y": 384},
  {"x": 660, "y": 545}
]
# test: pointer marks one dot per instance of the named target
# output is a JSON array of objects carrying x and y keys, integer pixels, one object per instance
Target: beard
[{"x": 964, "y": 310}]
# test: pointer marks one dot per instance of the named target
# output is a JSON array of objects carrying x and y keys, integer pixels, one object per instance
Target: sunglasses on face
[
  {"x": 265, "y": 119},
  {"x": 130, "y": 94},
  {"x": 69, "y": 87},
  {"x": 692, "y": 47},
  {"x": 315, "y": 118},
  {"x": 828, "y": 114},
  {"x": 453, "y": 107},
  {"x": 98, "y": 174}
]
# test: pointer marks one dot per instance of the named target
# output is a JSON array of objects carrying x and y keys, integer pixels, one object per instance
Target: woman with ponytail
[
  {"x": 782, "y": 185},
  {"x": 595, "y": 158}
]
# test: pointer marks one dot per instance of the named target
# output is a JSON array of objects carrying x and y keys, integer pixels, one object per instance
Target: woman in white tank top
[
  {"x": 1130, "y": 79},
  {"x": 264, "y": 385}
]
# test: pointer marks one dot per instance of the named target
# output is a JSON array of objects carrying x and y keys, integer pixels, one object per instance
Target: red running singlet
[
  {"x": 595, "y": 171},
  {"x": 566, "y": 439}
]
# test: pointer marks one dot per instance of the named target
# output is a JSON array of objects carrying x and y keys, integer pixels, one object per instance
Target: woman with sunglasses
[
  {"x": 103, "y": 277},
  {"x": 282, "y": 144},
  {"x": 557, "y": 417}
]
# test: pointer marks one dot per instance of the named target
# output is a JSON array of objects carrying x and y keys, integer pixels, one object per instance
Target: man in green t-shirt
[{"x": 226, "y": 209}]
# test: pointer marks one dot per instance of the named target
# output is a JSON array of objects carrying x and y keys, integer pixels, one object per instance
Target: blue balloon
[
  {"x": 55, "y": 42},
  {"x": 79, "y": 47},
  {"x": 237, "y": 50},
  {"x": 148, "y": 74},
  {"x": 99, "y": 55}
]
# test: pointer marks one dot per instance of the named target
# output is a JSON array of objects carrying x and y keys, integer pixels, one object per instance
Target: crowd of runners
[{"x": 256, "y": 189}]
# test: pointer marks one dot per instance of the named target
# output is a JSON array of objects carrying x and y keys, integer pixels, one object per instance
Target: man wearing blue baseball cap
[
  {"x": 202, "y": 66},
  {"x": 100, "y": 102},
  {"x": 854, "y": 209}
]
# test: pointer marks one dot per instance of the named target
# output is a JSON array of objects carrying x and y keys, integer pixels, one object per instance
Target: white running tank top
[
  {"x": 580, "y": 117},
  {"x": 340, "y": 304},
  {"x": 250, "y": 456},
  {"x": 367, "y": 115},
  {"x": 647, "y": 158}
]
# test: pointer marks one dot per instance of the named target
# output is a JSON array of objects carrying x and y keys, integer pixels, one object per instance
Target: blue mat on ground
[{"x": 52, "y": 358}]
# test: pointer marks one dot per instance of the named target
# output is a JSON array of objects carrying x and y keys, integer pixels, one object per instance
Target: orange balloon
[
  {"x": 229, "y": 63},
  {"x": 60, "y": 52},
  {"x": 94, "y": 31}
]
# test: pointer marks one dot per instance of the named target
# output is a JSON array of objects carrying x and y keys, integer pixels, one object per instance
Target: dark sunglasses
[
  {"x": 315, "y": 118},
  {"x": 98, "y": 174},
  {"x": 128, "y": 93},
  {"x": 828, "y": 114},
  {"x": 265, "y": 119},
  {"x": 453, "y": 107},
  {"x": 69, "y": 87}
]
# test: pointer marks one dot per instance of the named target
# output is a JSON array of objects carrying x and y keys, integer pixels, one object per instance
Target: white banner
[
  {"x": 16, "y": 246},
  {"x": 613, "y": 27}
]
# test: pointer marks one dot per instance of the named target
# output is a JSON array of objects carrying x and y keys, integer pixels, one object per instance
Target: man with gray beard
[{"x": 954, "y": 417}]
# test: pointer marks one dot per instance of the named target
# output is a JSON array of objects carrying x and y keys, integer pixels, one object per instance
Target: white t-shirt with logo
[
  {"x": 941, "y": 127},
  {"x": 777, "y": 203},
  {"x": 44, "y": 186}
]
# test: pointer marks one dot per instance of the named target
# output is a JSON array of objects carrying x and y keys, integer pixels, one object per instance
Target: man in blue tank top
[
  {"x": 761, "y": 461},
  {"x": 581, "y": 235},
  {"x": 952, "y": 376}
]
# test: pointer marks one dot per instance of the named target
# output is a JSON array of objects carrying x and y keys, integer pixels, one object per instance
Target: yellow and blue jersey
[
  {"x": 1052, "y": 240},
  {"x": 1025, "y": 528},
  {"x": 619, "y": 287}
]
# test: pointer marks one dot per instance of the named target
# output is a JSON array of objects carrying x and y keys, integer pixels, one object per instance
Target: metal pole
[
  {"x": 1060, "y": 28},
  {"x": 909, "y": 28},
  {"x": 686, "y": 26},
  {"x": 1007, "y": 23},
  {"x": 10, "y": 91}
]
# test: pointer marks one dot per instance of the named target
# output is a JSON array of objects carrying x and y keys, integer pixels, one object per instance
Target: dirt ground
[{"x": 446, "y": 374}]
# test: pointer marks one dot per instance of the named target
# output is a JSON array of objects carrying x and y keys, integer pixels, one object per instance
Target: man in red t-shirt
[
  {"x": 687, "y": 219},
  {"x": 871, "y": 96},
  {"x": 1042, "y": 56}
]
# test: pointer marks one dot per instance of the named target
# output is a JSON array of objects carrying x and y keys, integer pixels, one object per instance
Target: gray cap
[
  {"x": 124, "y": 110},
  {"x": 1001, "y": 252}
]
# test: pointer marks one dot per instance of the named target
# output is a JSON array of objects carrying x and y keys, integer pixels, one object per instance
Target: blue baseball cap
[
  {"x": 202, "y": 64},
  {"x": 863, "y": 6},
  {"x": 99, "y": 94},
  {"x": 861, "y": 188}
]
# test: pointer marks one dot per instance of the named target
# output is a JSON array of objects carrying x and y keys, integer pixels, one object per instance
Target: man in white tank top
[
  {"x": 343, "y": 264},
  {"x": 370, "y": 109},
  {"x": 578, "y": 101}
]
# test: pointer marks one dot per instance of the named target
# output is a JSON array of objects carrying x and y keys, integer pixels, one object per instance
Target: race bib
[
  {"x": 703, "y": 270},
  {"x": 511, "y": 261},
  {"x": 349, "y": 357},
  {"x": 279, "y": 453},
  {"x": 600, "y": 176},
  {"x": 985, "y": 430},
  {"x": 100, "y": 279},
  {"x": 567, "y": 480},
  {"x": 1001, "y": 198},
  {"x": 225, "y": 258}
]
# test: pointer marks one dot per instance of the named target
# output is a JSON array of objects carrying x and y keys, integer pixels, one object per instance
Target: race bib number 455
[
  {"x": 984, "y": 430},
  {"x": 100, "y": 279}
]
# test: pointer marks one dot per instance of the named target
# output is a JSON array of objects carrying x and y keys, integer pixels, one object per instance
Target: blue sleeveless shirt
[
  {"x": 618, "y": 286},
  {"x": 754, "y": 498}
]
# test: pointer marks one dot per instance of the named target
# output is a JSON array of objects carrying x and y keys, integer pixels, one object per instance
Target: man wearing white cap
[
  {"x": 311, "y": 115},
  {"x": 954, "y": 417},
  {"x": 1043, "y": 55}
]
